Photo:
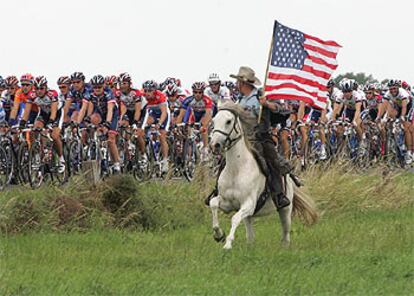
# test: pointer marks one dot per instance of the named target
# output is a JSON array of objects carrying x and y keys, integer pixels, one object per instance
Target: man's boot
[{"x": 280, "y": 200}]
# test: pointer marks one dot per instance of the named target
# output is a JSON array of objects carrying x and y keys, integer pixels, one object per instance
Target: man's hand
[{"x": 263, "y": 101}]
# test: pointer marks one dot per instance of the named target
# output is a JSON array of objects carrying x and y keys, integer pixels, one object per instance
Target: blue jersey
[
  {"x": 77, "y": 97},
  {"x": 100, "y": 103}
]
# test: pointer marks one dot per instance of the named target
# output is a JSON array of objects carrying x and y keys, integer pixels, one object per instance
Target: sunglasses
[
  {"x": 40, "y": 88},
  {"x": 26, "y": 84},
  {"x": 370, "y": 93},
  {"x": 393, "y": 88},
  {"x": 214, "y": 83},
  {"x": 97, "y": 86},
  {"x": 76, "y": 81},
  {"x": 197, "y": 92},
  {"x": 63, "y": 86}
]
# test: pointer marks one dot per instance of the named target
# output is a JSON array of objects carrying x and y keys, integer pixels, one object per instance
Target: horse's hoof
[
  {"x": 227, "y": 246},
  {"x": 219, "y": 235}
]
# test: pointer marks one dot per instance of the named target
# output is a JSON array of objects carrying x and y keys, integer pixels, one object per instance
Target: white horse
[{"x": 241, "y": 182}]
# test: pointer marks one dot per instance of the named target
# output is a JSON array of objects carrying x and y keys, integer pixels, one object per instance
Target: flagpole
[{"x": 266, "y": 74}]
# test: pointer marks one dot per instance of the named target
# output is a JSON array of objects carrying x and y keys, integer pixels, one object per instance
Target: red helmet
[
  {"x": 405, "y": 85},
  {"x": 27, "y": 77},
  {"x": 110, "y": 80}
]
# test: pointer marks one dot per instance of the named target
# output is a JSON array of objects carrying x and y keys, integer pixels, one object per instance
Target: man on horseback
[{"x": 260, "y": 137}]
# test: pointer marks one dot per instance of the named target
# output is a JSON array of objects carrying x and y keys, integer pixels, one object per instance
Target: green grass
[
  {"x": 355, "y": 254},
  {"x": 363, "y": 244}
]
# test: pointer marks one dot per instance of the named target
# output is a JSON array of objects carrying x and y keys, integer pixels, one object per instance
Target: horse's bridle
[{"x": 229, "y": 143}]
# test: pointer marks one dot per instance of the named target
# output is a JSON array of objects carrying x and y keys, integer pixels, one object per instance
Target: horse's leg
[
  {"x": 248, "y": 222},
  {"x": 218, "y": 235},
  {"x": 247, "y": 209},
  {"x": 285, "y": 214}
]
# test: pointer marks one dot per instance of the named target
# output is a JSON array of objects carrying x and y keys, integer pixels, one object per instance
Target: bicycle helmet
[
  {"x": 394, "y": 82},
  {"x": 2, "y": 82},
  {"x": 405, "y": 85},
  {"x": 97, "y": 80},
  {"x": 214, "y": 78},
  {"x": 27, "y": 77},
  {"x": 171, "y": 89},
  {"x": 149, "y": 85},
  {"x": 230, "y": 85},
  {"x": 198, "y": 86},
  {"x": 124, "y": 77},
  {"x": 77, "y": 76},
  {"x": 331, "y": 83},
  {"x": 110, "y": 80},
  {"x": 11, "y": 81},
  {"x": 40, "y": 81},
  {"x": 346, "y": 85},
  {"x": 63, "y": 80}
]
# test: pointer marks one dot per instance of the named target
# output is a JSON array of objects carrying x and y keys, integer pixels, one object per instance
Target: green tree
[{"x": 361, "y": 77}]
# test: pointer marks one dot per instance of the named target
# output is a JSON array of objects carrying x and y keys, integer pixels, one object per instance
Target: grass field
[{"x": 363, "y": 245}]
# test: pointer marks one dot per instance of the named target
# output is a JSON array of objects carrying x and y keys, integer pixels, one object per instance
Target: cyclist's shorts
[{"x": 156, "y": 115}]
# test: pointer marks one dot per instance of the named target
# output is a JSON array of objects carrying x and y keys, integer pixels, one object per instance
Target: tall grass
[{"x": 121, "y": 202}]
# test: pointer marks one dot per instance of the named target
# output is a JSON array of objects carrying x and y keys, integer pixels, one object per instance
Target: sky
[{"x": 191, "y": 38}]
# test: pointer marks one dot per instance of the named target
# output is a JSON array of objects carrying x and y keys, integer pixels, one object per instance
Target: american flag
[{"x": 300, "y": 66}]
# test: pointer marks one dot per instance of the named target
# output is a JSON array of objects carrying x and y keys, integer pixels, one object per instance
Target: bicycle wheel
[
  {"x": 57, "y": 172},
  {"x": 189, "y": 154},
  {"x": 4, "y": 168},
  {"x": 23, "y": 163},
  {"x": 11, "y": 161},
  {"x": 74, "y": 157},
  {"x": 36, "y": 169}
]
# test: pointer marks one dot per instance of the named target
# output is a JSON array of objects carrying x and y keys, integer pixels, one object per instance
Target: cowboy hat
[{"x": 246, "y": 74}]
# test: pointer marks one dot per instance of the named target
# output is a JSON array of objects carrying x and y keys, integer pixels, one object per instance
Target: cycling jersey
[
  {"x": 44, "y": 103},
  {"x": 373, "y": 104},
  {"x": 78, "y": 96},
  {"x": 154, "y": 103},
  {"x": 100, "y": 103},
  {"x": 336, "y": 95},
  {"x": 350, "y": 104},
  {"x": 100, "y": 106},
  {"x": 197, "y": 105},
  {"x": 129, "y": 99},
  {"x": 7, "y": 100},
  {"x": 223, "y": 93},
  {"x": 397, "y": 100}
]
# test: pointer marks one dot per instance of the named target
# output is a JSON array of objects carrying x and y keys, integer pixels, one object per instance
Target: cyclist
[
  {"x": 399, "y": 106},
  {"x": 79, "y": 92},
  {"x": 175, "y": 97},
  {"x": 50, "y": 115},
  {"x": 199, "y": 107},
  {"x": 215, "y": 91},
  {"x": 130, "y": 101},
  {"x": 112, "y": 82},
  {"x": 159, "y": 114},
  {"x": 64, "y": 90},
  {"x": 103, "y": 109},
  {"x": 7, "y": 96},
  {"x": 351, "y": 104},
  {"x": 22, "y": 95}
]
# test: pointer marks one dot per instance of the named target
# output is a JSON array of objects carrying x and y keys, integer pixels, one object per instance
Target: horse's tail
[{"x": 304, "y": 207}]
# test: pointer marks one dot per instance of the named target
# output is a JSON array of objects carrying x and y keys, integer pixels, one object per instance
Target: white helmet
[
  {"x": 346, "y": 84},
  {"x": 214, "y": 78}
]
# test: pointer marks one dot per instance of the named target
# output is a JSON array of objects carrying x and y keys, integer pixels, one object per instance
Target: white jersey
[
  {"x": 402, "y": 95},
  {"x": 336, "y": 95},
  {"x": 223, "y": 93}
]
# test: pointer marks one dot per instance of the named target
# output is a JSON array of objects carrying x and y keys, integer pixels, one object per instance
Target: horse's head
[{"x": 227, "y": 130}]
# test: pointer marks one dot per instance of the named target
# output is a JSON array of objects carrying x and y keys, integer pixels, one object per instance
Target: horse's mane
[{"x": 247, "y": 120}]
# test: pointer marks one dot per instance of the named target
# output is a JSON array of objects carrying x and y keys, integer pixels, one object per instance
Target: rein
[{"x": 229, "y": 143}]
